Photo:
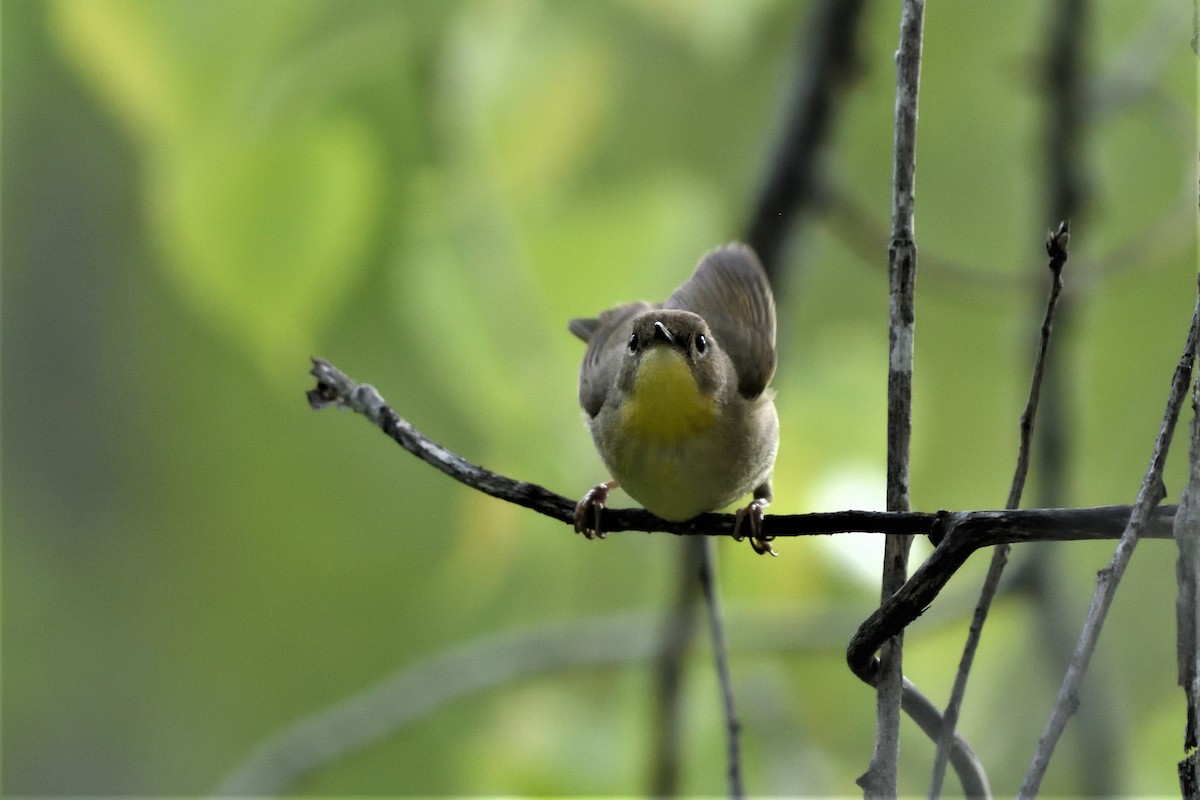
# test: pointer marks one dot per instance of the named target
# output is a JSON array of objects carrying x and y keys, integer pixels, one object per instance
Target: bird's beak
[{"x": 661, "y": 332}]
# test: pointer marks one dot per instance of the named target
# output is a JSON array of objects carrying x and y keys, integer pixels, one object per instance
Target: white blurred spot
[{"x": 859, "y": 487}]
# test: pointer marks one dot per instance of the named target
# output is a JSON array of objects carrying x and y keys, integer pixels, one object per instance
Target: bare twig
[
  {"x": 960, "y": 535},
  {"x": 1056, "y": 248},
  {"x": 1187, "y": 605},
  {"x": 983, "y": 528},
  {"x": 1149, "y": 495},
  {"x": 880, "y": 779}
]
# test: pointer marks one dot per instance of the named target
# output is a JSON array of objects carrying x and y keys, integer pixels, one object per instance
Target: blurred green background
[{"x": 197, "y": 196}]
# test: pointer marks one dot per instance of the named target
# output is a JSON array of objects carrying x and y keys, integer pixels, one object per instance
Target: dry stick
[
  {"x": 880, "y": 779},
  {"x": 1056, "y": 247},
  {"x": 1149, "y": 495},
  {"x": 1187, "y": 607},
  {"x": 959, "y": 534},
  {"x": 984, "y": 528}
]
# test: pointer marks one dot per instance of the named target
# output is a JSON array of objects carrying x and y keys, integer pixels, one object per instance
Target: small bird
[{"x": 676, "y": 396}]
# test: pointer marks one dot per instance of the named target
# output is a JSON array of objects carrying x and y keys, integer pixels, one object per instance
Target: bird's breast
[{"x": 665, "y": 405}]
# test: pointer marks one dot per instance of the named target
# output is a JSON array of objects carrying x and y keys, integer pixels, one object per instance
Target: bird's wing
[
  {"x": 605, "y": 336},
  {"x": 729, "y": 289}
]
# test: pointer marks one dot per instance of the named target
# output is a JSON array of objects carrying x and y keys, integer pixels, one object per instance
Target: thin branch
[
  {"x": 1056, "y": 247},
  {"x": 794, "y": 180},
  {"x": 987, "y": 528},
  {"x": 1149, "y": 495},
  {"x": 880, "y": 779},
  {"x": 1187, "y": 605},
  {"x": 957, "y": 536}
]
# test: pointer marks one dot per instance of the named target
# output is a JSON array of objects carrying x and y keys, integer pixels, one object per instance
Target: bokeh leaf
[{"x": 263, "y": 227}]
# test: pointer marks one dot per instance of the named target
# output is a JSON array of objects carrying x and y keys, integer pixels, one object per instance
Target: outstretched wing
[
  {"x": 605, "y": 336},
  {"x": 730, "y": 290}
]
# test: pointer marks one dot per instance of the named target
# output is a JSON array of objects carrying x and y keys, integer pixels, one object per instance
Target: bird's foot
[
  {"x": 587, "y": 510},
  {"x": 752, "y": 515}
]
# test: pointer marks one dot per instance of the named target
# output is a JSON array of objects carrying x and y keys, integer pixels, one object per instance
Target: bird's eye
[
  {"x": 701, "y": 343},
  {"x": 633, "y": 343}
]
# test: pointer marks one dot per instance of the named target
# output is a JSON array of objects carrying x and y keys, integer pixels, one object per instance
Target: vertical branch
[
  {"x": 1149, "y": 495},
  {"x": 880, "y": 779},
  {"x": 1056, "y": 248},
  {"x": 1187, "y": 606},
  {"x": 708, "y": 581}
]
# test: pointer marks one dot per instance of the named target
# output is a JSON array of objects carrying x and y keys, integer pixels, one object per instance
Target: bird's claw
[
  {"x": 587, "y": 511},
  {"x": 752, "y": 514}
]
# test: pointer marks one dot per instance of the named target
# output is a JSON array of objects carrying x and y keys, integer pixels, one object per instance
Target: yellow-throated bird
[{"x": 676, "y": 395}]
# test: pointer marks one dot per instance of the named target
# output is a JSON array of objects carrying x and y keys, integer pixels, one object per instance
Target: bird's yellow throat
[{"x": 666, "y": 404}]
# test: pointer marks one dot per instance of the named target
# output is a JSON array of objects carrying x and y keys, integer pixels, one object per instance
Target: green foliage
[{"x": 200, "y": 195}]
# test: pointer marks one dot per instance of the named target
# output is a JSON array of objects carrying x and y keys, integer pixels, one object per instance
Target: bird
[{"x": 676, "y": 396}]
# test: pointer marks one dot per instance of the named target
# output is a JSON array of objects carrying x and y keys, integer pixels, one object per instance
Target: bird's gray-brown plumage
[{"x": 721, "y": 323}]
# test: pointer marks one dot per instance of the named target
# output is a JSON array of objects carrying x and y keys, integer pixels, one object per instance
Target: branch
[
  {"x": 1149, "y": 495},
  {"x": 1056, "y": 247},
  {"x": 960, "y": 534},
  {"x": 335, "y": 389},
  {"x": 1187, "y": 606},
  {"x": 880, "y": 779}
]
